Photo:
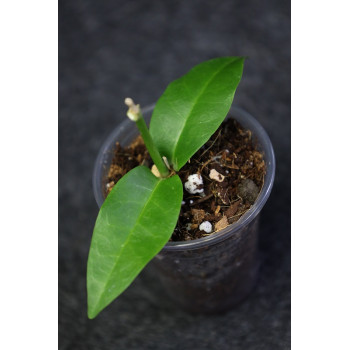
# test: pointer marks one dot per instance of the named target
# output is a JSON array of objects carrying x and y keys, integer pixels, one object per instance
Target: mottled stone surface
[
  {"x": 248, "y": 190},
  {"x": 112, "y": 49}
]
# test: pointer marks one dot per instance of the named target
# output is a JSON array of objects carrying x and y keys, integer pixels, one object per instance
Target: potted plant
[{"x": 206, "y": 273}]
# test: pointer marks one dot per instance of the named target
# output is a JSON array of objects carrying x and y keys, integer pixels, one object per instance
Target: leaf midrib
[
  {"x": 194, "y": 103},
  {"x": 127, "y": 240}
]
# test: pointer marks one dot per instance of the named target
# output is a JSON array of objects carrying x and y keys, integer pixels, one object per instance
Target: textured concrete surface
[{"x": 112, "y": 49}]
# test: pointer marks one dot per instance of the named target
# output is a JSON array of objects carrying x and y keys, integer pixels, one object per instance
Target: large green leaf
[
  {"x": 134, "y": 223},
  {"x": 193, "y": 107}
]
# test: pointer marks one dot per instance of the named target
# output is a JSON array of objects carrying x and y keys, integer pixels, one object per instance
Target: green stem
[
  {"x": 153, "y": 151},
  {"x": 134, "y": 113}
]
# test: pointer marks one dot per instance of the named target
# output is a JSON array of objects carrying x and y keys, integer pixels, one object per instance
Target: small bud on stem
[{"x": 134, "y": 113}]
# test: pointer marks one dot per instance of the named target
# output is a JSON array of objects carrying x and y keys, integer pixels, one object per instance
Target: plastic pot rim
[{"x": 263, "y": 139}]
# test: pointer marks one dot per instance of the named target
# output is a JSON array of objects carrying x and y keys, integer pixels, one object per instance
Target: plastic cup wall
[{"x": 214, "y": 273}]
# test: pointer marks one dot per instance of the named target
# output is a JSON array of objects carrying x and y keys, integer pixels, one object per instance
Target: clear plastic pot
[{"x": 213, "y": 273}]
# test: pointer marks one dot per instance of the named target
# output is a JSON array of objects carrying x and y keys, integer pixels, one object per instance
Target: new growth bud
[{"x": 134, "y": 111}]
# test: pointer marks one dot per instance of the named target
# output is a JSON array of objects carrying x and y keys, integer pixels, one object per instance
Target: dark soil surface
[{"x": 232, "y": 171}]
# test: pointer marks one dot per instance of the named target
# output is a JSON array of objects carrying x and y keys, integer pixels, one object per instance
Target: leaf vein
[
  {"x": 128, "y": 239},
  {"x": 194, "y": 102}
]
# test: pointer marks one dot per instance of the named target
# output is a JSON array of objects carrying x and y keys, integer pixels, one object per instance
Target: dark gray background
[{"x": 110, "y": 50}]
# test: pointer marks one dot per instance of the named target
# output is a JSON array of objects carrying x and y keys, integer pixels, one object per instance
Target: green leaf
[
  {"x": 133, "y": 225},
  {"x": 193, "y": 107}
]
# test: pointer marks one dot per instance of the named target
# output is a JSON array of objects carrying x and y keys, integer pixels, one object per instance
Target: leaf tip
[
  {"x": 92, "y": 312},
  {"x": 93, "y": 304}
]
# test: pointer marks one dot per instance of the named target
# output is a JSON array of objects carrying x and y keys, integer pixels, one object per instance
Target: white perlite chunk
[
  {"x": 193, "y": 184},
  {"x": 215, "y": 175},
  {"x": 206, "y": 226}
]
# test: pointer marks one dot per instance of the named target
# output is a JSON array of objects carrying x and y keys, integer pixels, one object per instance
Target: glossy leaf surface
[
  {"x": 133, "y": 225},
  {"x": 193, "y": 107}
]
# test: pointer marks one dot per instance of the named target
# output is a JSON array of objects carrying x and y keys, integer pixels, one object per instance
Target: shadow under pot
[{"x": 214, "y": 273}]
